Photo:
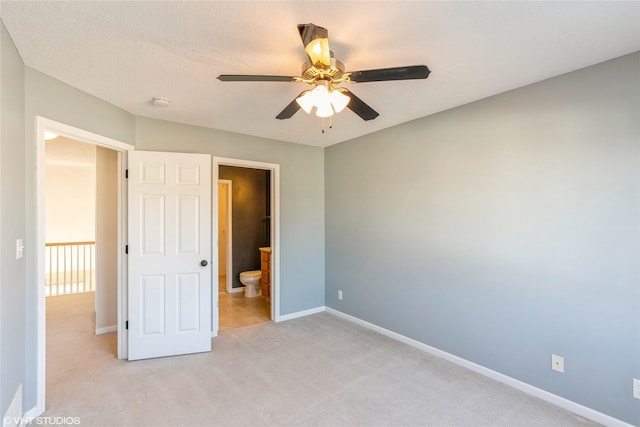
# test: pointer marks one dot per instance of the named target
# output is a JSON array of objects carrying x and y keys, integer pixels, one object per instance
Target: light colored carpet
[{"x": 318, "y": 370}]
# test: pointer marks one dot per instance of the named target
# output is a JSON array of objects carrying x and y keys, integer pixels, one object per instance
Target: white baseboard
[
  {"x": 31, "y": 414},
  {"x": 13, "y": 416},
  {"x": 300, "y": 314},
  {"x": 569, "y": 405},
  {"x": 107, "y": 330}
]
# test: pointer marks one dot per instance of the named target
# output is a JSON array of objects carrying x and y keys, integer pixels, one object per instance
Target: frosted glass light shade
[
  {"x": 306, "y": 101},
  {"x": 339, "y": 100},
  {"x": 324, "y": 110}
]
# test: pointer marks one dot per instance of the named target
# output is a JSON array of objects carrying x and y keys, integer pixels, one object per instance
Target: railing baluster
[
  {"x": 50, "y": 270},
  {"x": 91, "y": 265},
  {"x": 77, "y": 281},
  {"x": 71, "y": 269},
  {"x": 58, "y": 270},
  {"x": 84, "y": 264},
  {"x": 66, "y": 277}
]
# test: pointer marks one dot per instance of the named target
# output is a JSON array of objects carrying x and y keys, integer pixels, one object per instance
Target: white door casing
[
  {"x": 169, "y": 241},
  {"x": 122, "y": 148}
]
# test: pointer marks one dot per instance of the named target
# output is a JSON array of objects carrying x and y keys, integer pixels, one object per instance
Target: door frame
[
  {"x": 229, "y": 248},
  {"x": 274, "y": 168},
  {"x": 121, "y": 148}
]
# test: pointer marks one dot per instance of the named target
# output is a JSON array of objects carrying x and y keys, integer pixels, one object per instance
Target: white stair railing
[{"x": 69, "y": 268}]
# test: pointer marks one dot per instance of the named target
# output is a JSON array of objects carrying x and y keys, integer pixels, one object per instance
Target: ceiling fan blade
[
  {"x": 359, "y": 107},
  {"x": 396, "y": 73},
  {"x": 254, "y": 78},
  {"x": 316, "y": 44},
  {"x": 290, "y": 109}
]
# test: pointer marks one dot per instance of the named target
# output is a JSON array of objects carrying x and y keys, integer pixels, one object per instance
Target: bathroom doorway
[{"x": 246, "y": 207}]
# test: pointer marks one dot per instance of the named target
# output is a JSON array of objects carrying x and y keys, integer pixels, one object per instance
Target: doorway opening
[
  {"x": 115, "y": 229},
  {"x": 246, "y": 209},
  {"x": 80, "y": 254}
]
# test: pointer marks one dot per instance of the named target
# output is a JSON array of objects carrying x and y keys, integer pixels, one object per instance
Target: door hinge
[
  {"x": 126, "y": 324},
  {"x": 126, "y": 249},
  {"x": 126, "y": 173}
]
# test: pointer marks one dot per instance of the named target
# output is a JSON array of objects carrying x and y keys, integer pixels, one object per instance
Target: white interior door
[{"x": 169, "y": 254}]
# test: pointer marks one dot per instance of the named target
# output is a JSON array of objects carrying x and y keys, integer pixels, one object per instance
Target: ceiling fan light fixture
[
  {"x": 318, "y": 97},
  {"x": 323, "y": 72}
]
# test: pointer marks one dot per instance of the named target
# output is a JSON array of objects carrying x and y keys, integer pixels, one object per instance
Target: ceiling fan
[{"x": 323, "y": 72}]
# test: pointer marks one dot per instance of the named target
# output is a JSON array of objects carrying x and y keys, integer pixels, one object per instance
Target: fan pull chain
[{"x": 330, "y": 123}]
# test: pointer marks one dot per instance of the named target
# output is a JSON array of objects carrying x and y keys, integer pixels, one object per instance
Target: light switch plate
[{"x": 19, "y": 248}]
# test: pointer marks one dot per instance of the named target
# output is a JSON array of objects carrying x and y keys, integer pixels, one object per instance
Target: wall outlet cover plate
[{"x": 557, "y": 363}]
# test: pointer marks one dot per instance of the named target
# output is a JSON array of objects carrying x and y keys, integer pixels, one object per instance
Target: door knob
[{"x": 204, "y": 263}]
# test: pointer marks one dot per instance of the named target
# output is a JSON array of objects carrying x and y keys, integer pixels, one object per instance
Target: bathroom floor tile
[{"x": 236, "y": 311}]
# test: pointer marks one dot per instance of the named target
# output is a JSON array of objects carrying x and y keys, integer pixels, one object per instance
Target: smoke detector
[{"x": 159, "y": 101}]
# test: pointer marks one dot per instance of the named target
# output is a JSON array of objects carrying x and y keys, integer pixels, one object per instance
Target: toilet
[{"x": 251, "y": 282}]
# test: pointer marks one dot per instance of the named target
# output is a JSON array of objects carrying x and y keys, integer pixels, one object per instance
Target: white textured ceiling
[{"x": 128, "y": 52}]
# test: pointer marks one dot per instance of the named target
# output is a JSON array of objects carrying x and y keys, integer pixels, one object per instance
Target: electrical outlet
[
  {"x": 636, "y": 388},
  {"x": 557, "y": 363},
  {"x": 339, "y": 295}
]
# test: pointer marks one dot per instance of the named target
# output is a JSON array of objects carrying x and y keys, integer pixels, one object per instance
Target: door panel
[
  {"x": 152, "y": 304},
  {"x": 169, "y": 236},
  {"x": 152, "y": 225},
  {"x": 188, "y": 222}
]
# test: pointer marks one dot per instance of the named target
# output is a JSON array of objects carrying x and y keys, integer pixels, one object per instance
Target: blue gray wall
[
  {"x": 12, "y": 223},
  {"x": 301, "y": 198},
  {"x": 503, "y": 231}
]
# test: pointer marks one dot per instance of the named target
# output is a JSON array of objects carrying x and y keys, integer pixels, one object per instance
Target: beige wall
[
  {"x": 70, "y": 190},
  {"x": 106, "y": 240}
]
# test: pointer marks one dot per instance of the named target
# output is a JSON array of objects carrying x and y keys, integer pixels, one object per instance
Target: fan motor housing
[{"x": 335, "y": 71}]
